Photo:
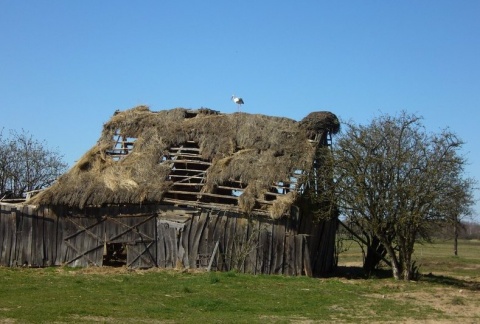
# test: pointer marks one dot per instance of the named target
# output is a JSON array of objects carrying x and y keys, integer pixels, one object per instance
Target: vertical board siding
[
  {"x": 278, "y": 249},
  {"x": 85, "y": 241},
  {"x": 162, "y": 247},
  {"x": 218, "y": 235},
  {"x": 61, "y": 247},
  {"x": 49, "y": 239},
  {"x": 253, "y": 241},
  {"x": 196, "y": 232},
  {"x": 221, "y": 236},
  {"x": 166, "y": 237},
  {"x": 8, "y": 232},
  {"x": 211, "y": 239},
  {"x": 262, "y": 260},
  {"x": 299, "y": 241},
  {"x": 24, "y": 237},
  {"x": 37, "y": 252}
]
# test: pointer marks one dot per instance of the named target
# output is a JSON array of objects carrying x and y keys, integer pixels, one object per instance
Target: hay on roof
[
  {"x": 255, "y": 150},
  {"x": 318, "y": 122}
]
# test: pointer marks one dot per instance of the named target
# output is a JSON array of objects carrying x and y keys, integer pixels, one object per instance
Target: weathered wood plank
[
  {"x": 63, "y": 251},
  {"x": 191, "y": 162},
  {"x": 172, "y": 243},
  {"x": 182, "y": 257},
  {"x": 129, "y": 229},
  {"x": 314, "y": 246},
  {"x": 279, "y": 239},
  {"x": 183, "y": 149},
  {"x": 208, "y": 240},
  {"x": 93, "y": 241},
  {"x": 85, "y": 247},
  {"x": 259, "y": 258},
  {"x": 307, "y": 264},
  {"x": 196, "y": 238},
  {"x": 37, "y": 256},
  {"x": 241, "y": 248},
  {"x": 219, "y": 236},
  {"x": 204, "y": 246},
  {"x": 83, "y": 258},
  {"x": 168, "y": 242},
  {"x": 8, "y": 236},
  {"x": 253, "y": 237},
  {"x": 184, "y": 248},
  {"x": 161, "y": 244},
  {"x": 140, "y": 255},
  {"x": 289, "y": 262},
  {"x": 211, "y": 230},
  {"x": 216, "y": 206},
  {"x": 230, "y": 242},
  {"x": 264, "y": 259},
  {"x": 191, "y": 236},
  {"x": 200, "y": 194},
  {"x": 299, "y": 241},
  {"x": 178, "y": 221},
  {"x": 23, "y": 238},
  {"x": 4, "y": 245},
  {"x": 328, "y": 244},
  {"x": 49, "y": 239}
]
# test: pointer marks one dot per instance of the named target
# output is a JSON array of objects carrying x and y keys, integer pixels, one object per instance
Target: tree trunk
[
  {"x": 375, "y": 252},
  {"x": 395, "y": 271},
  {"x": 406, "y": 248},
  {"x": 396, "y": 267},
  {"x": 407, "y": 268}
]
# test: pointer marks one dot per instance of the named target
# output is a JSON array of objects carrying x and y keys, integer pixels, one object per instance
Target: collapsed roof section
[{"x": 240, "y": 162}]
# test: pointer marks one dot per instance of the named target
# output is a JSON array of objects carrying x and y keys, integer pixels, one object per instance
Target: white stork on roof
[{"x": 238, "y": 101}]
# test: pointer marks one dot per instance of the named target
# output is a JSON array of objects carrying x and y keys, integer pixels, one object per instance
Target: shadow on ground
[
  {"x": 353, "y": 272},
  {"x": 450, "y": 281}
]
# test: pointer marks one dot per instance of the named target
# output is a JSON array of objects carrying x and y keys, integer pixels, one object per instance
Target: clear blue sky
[{"x": 66, "y": 66}]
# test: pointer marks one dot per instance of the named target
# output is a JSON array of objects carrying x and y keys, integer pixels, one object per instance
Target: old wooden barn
[{"x": 187, "y": 189}]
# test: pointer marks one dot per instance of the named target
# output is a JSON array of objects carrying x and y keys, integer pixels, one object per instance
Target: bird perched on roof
[{"x": 238, "y": 101}]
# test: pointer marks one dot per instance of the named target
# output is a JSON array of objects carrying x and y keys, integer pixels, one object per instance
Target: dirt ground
[{"x": 459, "y": 301}]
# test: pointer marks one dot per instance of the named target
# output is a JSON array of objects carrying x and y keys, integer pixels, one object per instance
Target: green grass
[
  {"x": 120, "y": 296},
  {"x": 438, "y": 258},
  {"x": 435, "y": 258},
  {"x": 42, "y": 295}
]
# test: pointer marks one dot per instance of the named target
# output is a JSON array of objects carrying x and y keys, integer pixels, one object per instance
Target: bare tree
[
  {"x": 26, "y": 164},
  {"x": 395, "y": 181},
  {"x": 460, "y": 202},
  {"x": 4, "y": 173}
]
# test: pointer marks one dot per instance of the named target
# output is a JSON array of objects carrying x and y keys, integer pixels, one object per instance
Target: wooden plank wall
[
  {"x": 8, "y": 231},
  {"x": 25, "y": 237},
  {"x": 321, "y": 243},
  {"x": 257, "y": 246},
  {"x": 165, "y": 237}
]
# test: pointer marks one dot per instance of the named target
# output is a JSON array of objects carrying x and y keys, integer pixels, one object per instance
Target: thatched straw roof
[{"x": 244, "y": 151}]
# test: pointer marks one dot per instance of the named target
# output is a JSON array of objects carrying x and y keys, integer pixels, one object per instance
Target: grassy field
[{"x": 448, "y": 292}]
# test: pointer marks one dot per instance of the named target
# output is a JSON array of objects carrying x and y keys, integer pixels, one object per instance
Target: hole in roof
[
  {"x": 122, "y": 146},
  {"x": 237, "y": 193}
]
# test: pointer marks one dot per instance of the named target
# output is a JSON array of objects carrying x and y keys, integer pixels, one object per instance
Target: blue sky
[{"x": 66, "y": 66}]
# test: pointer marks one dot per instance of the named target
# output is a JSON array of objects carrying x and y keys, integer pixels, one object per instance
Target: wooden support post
[{"x": 213, "y": 256}]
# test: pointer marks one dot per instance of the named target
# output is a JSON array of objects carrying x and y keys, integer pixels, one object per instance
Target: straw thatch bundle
[{"x": 256, "y": 150}]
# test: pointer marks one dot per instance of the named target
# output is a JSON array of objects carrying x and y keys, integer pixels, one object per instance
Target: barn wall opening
[{"x": 115, "y": 255}]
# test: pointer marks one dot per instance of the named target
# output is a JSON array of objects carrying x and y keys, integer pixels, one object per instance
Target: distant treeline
[{"x": 466, "y": 230}]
